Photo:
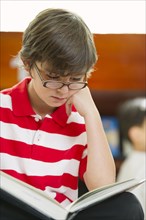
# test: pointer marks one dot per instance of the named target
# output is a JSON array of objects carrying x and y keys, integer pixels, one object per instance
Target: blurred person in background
[{"x": 132, "y": 118}]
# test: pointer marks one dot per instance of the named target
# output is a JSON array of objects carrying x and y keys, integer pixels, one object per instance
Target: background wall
[{"x": 121, "y": 63}]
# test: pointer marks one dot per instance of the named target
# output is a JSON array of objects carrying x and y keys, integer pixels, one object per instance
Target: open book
[{"x": 40, "y": 204}]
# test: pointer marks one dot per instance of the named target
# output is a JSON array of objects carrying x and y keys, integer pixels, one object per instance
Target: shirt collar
[
  {"x": 20, "y": 99},
  {"x": 22, "y": 106},
  {"x": 60, "y": 116}
]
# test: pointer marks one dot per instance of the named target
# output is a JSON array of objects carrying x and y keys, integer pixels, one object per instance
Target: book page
[
  {"x": 102, "y": 193},
  {"x": 33, "y": 197}
]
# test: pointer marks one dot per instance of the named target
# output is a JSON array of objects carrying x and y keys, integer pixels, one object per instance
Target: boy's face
[
  {"x": 56, "y": 94},
  {"x": 137, "y": 136}
]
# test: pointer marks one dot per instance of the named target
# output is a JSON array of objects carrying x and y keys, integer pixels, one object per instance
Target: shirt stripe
[{"x": 49, "y": 154}]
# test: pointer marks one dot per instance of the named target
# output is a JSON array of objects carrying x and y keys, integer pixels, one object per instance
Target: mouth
[{"x": 59, "y": 98}]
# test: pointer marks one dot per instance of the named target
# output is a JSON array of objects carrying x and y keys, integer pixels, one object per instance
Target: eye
[
  {"x": 76, "y": 79},
  {"x": 52, "y": 76}
]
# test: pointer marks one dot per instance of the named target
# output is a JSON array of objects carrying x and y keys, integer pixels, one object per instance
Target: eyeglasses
[{"x": 52, "y": 84}]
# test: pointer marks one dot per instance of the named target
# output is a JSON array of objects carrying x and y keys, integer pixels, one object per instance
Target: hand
[{"x": 83, "y": 102}]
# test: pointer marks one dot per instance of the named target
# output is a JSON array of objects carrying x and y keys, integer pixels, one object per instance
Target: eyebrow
[
  {"x": 49, "y": 73},
  {"x": 52, "y": 73}
]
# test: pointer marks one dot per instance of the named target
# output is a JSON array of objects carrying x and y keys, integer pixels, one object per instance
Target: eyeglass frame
[{"x": 44, "y": 82}]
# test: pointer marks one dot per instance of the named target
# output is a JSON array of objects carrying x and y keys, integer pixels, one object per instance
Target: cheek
[
  {"x": 39, "y": 89},
  {"x": 37, "y": 86},
  {"x": 144, "y": 137}
]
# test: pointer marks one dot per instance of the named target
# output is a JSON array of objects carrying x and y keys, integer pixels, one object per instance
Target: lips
[{"x": 59, "y": 98}]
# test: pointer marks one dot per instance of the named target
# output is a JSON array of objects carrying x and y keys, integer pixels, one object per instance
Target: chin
[{"x": 55, "y": 105}]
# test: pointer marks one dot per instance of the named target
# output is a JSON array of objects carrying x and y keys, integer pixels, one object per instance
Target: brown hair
[{"x": 62, "y": 39}]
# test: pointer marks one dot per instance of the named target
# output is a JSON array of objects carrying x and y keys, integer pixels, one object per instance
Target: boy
[
  {"x": 51, "y": 129},
  {"x": 132, "y": 117}
]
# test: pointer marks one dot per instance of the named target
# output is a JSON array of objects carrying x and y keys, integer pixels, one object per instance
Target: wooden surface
[{"x": 121, "y": 63}]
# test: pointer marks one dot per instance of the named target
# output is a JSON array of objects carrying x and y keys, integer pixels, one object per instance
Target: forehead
[{"x": 48, "y": 69}]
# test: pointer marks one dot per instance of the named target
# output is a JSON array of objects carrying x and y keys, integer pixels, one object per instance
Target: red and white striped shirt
[{"x": 49, "y": 154}]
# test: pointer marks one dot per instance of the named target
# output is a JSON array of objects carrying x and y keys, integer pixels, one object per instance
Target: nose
[{"x": 64, "y": 89}]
